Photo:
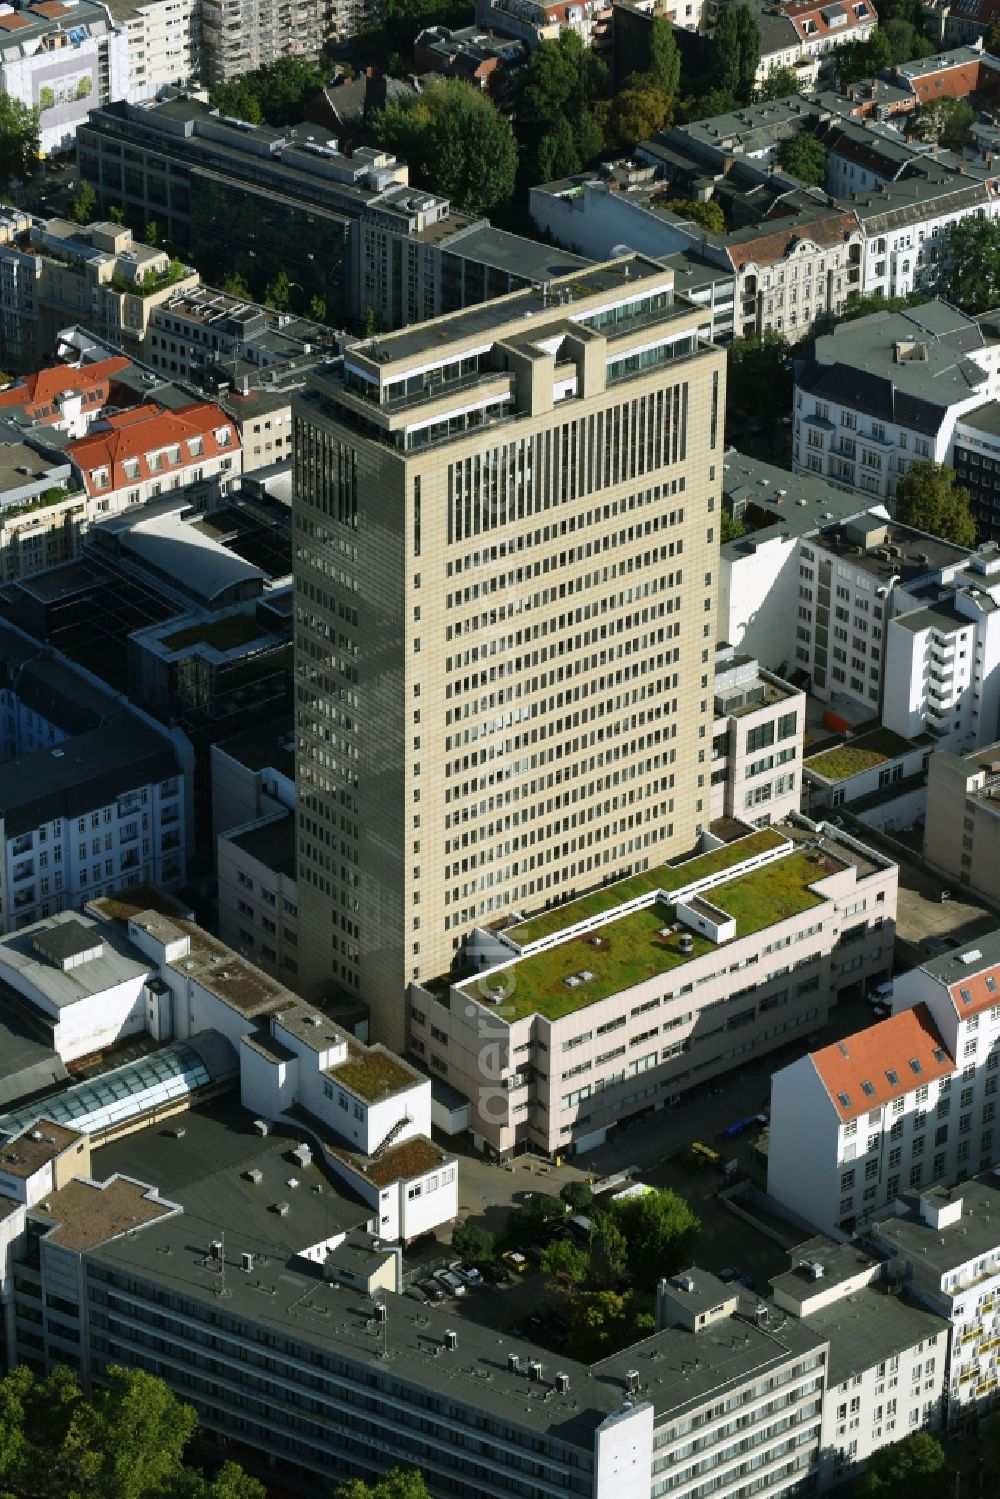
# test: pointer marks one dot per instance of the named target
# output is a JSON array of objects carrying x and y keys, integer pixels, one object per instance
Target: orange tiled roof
[
  {"x": 13, "y": 22},
  {"x": 43, "y": 386},
  {"x": 146, "y": 430},
  {"x": 821, "y": 16},
  {"x": 50, "y": 9},
  {"x": 977, "y": 987},
  {"x": 889, "y": 1059}
]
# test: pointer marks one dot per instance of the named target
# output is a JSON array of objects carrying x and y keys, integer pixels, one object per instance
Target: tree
[
  {"x": 992, "y": 43},
  {"x": 19, "y": 139},
  {"x": 529, "y": 1222},
  {"x": 928, "y": 499},
  {"x": 577, "y": 1196},
  {"x": 317, "y": 309},
  {"x": 664, "y": 58},
  {"x": 399, "y": 1483},
  {"x": 557, "y": 118},
  {"x": 857, "y": 60},
  {"x": 759, "y": 379},
  {"x": 635, "y": 115},
  {"x": 234, "y": 285},
  {"x": 945, "y": 122},
  {"x": 779, "y": 84},
  {"x": 596, "y": 1320},
  {"x": 567, "y": 1264},
  {"x": 973, "y": 258},
  {"x": 152, "y": 235},
  {"x": 660, "y": 1230},
  {"x": 908, "y": 1469},
  {"x": 476, "y": 1245},
  {"x": 278, "y": 293},
  {"x": 805, "y": 157},
  {"x": 735, "y": 52},
  {"x": 116, "y": 214},
  {"x": 730, "y": 529},
  {"x": 614, "y": 1246},
  {"x": 84, "y": 206},
  {"x": 238, "y": 100},
  {"x": 906, "y": 41},
  {"x": 232, "y": 1483},
  {"x": 708, "y": 216},
  {"x": 863, "y": 306},
  {"x": 455, "y": 142}
]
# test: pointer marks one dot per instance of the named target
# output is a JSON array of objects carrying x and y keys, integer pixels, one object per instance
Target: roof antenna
[{"x": 223, "y": 1288}]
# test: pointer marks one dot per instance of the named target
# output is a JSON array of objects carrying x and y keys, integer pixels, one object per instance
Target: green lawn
[
  {"x": 663, "y": 877},
  {"x": 633, "y": 950},
  {"x": 846, "y": 760},
  {"x": 224, "y": 634}
]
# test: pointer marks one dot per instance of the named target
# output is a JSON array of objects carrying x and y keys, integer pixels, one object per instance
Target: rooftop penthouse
[{"x": 682, "y": 952}]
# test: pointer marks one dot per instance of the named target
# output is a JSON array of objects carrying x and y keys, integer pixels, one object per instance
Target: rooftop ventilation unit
[
  {"x": 972, "y": 956},
  {"x": 215, "y": 1249},
  {"x": 246, "y": 1260},
  {"x": 534, "y": 1369},
  {"x": 254, "y": 1175},
  {"x": 562, "y": 1383},
  {"x": 281, "y": 1208},
  {"x": 513, "y": 1363},
  {"x": 632, "y": 1381},
  {"x": 451, "y": 1340}
]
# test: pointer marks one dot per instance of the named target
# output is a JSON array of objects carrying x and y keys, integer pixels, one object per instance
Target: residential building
[
  {"x": 209, "y": 336},
  {"x": 42, "y": 503},
  {"x": 976, "y": 458},
  {"x": 138, "y": 454},
  {"x": 870, "y": 1113},
  {"x": 963, "y": 22},
  {"x": 785, "y": 273},
  {"x": 238, "y": 36},
  {"x": 62, "y": 63},
  {"x": 253, "y": 775},
  {"x": 943, "y": 1248},
  {"x": 752, "y": 709},
  {"x": 957, "y": 74},
  {"x": 488, "y": 61},
  {"x": 962, "y": 829},
  {"x": 391, "y": 442},
  {"x": 823, "y": 28},
  {"x": 905, "y": 1104},
  {"x": 57, "y": 272},
  {"x": 536, "y": 21},
  {"x": 164, "y": 44},
  {"x": 94, "y": 794},
  {"x": 864, "y": 155},
  {"x": 257, "y": 894},
  {"x": 606, "y": 1008},
  {"x": 883, "y": 390},
  {"x": 887, "y": 1372},
  {"x": 65, "y": 397}
]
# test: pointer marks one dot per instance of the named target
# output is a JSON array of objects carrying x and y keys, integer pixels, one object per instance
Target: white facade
[
  {"x": 756, "y": 743},
  {"x": 942, "y": 671},
  {"x": 65, "y": 81},
  {"x": 164, "y": 45}
]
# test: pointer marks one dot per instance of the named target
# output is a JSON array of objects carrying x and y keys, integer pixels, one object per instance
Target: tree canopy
[
  {"x": 779, "y": 84},
  {"x": 805, "y": 157},
  {"x": 576, "y": 1195},
  {"x": 277, "y": 92},
  {"x": 126, "y": 1442},
  {"x": 735, "y": 52},
  {"x": 758, "y": 378},
  {"x": 565, "y": 1263},
  {"x": 19, "y": 139},
  {"x": 857, "y": 60},
  {"x": 476, "y": 1245},
  {"x": 660, "y": 1231},
  {"x": 973, "y": 255},
  {"x": 399, "y": 1483},
  {"x": 706, "y": 215},
  {"x": 84, "y": 205},
  {"x": 908, "y": 1469},
  {"x": 928, "y": 499},
  {"x": 557, "y": 121},
  {"x": 455, "y": 141},
  {"x": 945, "y": 122}
]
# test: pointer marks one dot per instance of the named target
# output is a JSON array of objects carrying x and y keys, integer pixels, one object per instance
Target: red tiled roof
[
  {"x": 50, "y": 9},
  {"x": 984, "y": 12},
  {"x": 906, "y": 1047},
  {"x": 43, "y": 386},
  {"x": 774, "y": 245},
  {"x": 955, "y": 82},
  {"x": 149, "y": 429},
  {"x": 13, "y": 22},
  {"x": 821, "y": 16},
  {"x": 976, "y": 986}
]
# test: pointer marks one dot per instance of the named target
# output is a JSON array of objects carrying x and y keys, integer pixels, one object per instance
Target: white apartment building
[
  {"x": 945, "y": 1249},
  {"x": 888, "y": 1359},
  {"x": 905, "y": 223},
  {"x": 884, "y": 390},
  {"x": 535, "y": 21},
  {"x": 607, "y": 1007},
  {"x": 905, "y": 1104},
  {"x": 62, "y": 64},
  {"x": 164, "y": 44},
  {"x": 257, "y": 893},
  {"x": 875, "y": 775},
  {"x": 756, "y": 742}
]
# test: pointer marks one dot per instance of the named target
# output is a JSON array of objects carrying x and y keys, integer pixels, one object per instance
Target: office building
[
  {"x": 884, "y": 390},
  {"x": 750, "y": 742},
  {"x": 610, "y": 1006},
  {"x": 906, "y": 1104},
  {"x": 507, "y": 529}
]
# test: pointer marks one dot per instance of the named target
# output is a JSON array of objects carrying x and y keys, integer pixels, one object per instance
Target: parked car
[
  {"x": 418, "y": 1293},
  {"x": 431, "y": 1290},
  {"x": 450, "y": 1281},
  {"x": 515, "y": 1260},
  {"x": 467, "y": 1273},
  {"x": 881, "y": 994},
  {"x": 497, "y": 1275}
]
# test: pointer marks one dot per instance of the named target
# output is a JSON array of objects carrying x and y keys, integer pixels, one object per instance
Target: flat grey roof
[
  {"x": 944, "y": 1249},
  {"x": 869, "y": 1327},
  {"x": 985, "y": 418},
  {"x": 916, "y": 552},
  {"x": 775, "y": 490},
  {"x": 30, "y": 1066},
  {"x": 119, "y": 961},
  {"x": 944, "y": 618},
  {"x": 841, "y": 1262},
  {"x": 527, "y": 258},
  {"x": 263, "y": 748},
  {"x": 948, "y": 966},
  {"x": 271, "y": 843}
]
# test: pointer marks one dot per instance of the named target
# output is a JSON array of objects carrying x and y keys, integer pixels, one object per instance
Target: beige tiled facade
[{"x": 506, "y": 557}]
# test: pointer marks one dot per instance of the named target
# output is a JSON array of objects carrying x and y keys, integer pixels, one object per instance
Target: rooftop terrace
[
  {"x": 662, "y": 877},
  {"x": 626, "y": 952}
]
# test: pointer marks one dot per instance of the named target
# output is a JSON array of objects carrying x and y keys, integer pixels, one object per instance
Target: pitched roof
[
  {"x": 882, "y": 1062},
  {"x": 43, "y": 386},
  {"x": 977, "y": 987},
  {"x": 145, "y": 430},
  {"x": 813, "y": 22},
  {"x": 774, "y": 244}
]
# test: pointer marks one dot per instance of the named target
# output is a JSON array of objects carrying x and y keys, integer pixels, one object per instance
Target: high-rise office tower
[{"x": 506, "y": 545}]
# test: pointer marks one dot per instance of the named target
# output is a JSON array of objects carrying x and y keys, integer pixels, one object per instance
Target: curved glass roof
[{"x": 176, "y": 1071}]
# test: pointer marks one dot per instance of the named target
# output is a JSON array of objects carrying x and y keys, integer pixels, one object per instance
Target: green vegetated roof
[
  {"x": 373, "y": 1074},
  {"x": 633, "y": 950},
  {"x": 844, "y": 761},
  {"x": 664, "y": 876}
]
